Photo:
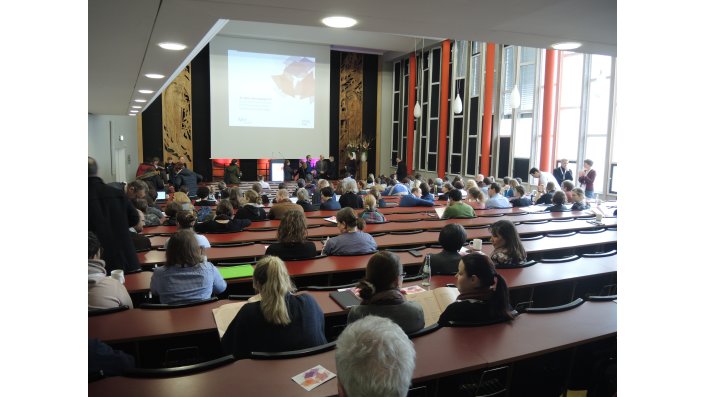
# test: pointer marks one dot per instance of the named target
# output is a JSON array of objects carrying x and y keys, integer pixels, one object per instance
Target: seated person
[
  {"x": 373, "y": 357},
  {"x": 579, "y": 202},
  {"x": 350, "y": 198},
  {"x": 152, "y": 216},
  {"x": 508, "y": 249},
  {"x": 381, "y": 296},
  {"x": 253, "y": 209},
  {"x": 352, "y": 240},
  {"x": 519, "y": 199},
  {"x": 476, "y": 199},
  {"x": 186, "y": 221},
  {"x": 223, "y": 222},
  {"x": 328, "y": 201},
  {"x": 452, "y": 237},
  {"x": 496, "y": 200},
  {"x": 280, "y": 321},
  {"x": 184, "y": 200},
  {"x": 257, "y": 187},
  {"x": 291, "y": 238},
  {"x": 283, "y": 205},
  {"x": 303, "y": 200},
  {"x": 478, "y": 300},
  {"x": 186, "y": 276},
  {"x": 104, "y": 291},
  {"x": 508, "y": 189},
  {"x": 426, "y": 192},
  {"x": 103, "y": 361},
  {"x": 414, "y": 199},
  {"x": 171, "y": 210},
  {"x": 456, "y": 207},
  {"x": 235, "y": 196},
  {"x": 370, "y": 214},
  {"x": 460, "y": 186},
  {"x": 558, "y": 202},
  {"x": 262, "y": 183},
  {"x": 547, "y": 196},
  {"x": 376, "y": 191},
  {"x": 447, "y": 187},
  {"x": 567, "y": 187},
  {"x": 202, "y": 192},
  {"x": 140, "y": 242}
]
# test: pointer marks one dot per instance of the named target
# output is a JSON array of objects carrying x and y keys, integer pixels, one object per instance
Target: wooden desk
[{"x": 444, "y": 352}]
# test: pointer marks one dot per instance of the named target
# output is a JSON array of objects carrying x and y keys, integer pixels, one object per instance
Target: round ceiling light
[
  {"x": 172, "y": 46},
  {"x": 566, "y": 46},
  {"x": 339, "y": 22},
  {"x": 154, "y": 76},
  {"x": 145, "y": 91}
]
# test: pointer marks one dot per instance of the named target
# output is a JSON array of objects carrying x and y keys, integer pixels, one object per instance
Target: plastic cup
[
  {"x": 477, "y": 244},
  {"x": 118, "y": 275}
]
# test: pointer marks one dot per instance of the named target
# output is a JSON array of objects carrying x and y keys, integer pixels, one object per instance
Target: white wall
[{"x": 99, "y": 143}]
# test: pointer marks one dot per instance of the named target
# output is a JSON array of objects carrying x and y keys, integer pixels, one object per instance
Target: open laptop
[{"x": 161, "y": 196}]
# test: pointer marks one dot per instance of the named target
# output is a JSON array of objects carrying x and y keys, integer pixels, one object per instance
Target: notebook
[
  {"x": 236, "y": 271},
  {"x": 440, "y": 211},
  {"x": 346, "y": 299}
]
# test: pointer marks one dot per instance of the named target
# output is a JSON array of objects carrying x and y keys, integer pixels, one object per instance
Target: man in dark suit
[
  {"x": 401, "y": 169},
  {"x": 110, "y": 215},
  {"x": 562, "y": 173},
  {"x": 185, "y": 176}
]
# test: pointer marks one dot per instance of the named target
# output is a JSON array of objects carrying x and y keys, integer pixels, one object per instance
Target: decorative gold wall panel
[
  {"x": 176, "y": 118},
  {"x": 351, "y": 73}
]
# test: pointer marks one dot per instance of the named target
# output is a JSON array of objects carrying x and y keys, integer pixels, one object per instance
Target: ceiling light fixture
[
  {"x": 172, "y": 46},
  {"x": 146, "y": 92},
  {"x": 457, "y": 102},
  {"x": 566, "y": 46},
  {"x": 417, "y": 107},
  {"x": 140, "y": 100},
  {"x": 339, "y": 22},
  {"x": 515, "y": 98},
  {"x": 132, "y": 114},
  {"x": 154, "y": 76},
  {"x": 137, "y": 107}
]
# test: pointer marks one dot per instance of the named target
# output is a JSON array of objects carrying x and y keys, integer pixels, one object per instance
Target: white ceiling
[{"x": 123, "y": 34}]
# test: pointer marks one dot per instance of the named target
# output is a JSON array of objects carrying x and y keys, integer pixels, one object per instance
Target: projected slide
[{"x": 270, "y": 90}]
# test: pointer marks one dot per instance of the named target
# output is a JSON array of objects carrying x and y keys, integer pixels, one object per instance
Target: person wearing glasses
[{"x": 382, "y": 297}]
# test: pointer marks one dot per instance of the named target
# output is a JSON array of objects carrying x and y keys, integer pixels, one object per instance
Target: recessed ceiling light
[
  {"x": 134, "y": 111},
  {"x": 566, "y": 46},
  {"x": 145, "y": 91},
  {"x": 154, "y": 76},
  {"x": 137, "y": 107},
  {"x": 133, "y": 114},
  {"x": 172, "y": 46},
  {"x": 140, "y": 100},
  {"x": 339, "y": 22}
]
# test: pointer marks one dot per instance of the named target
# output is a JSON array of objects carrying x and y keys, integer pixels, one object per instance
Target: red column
[
  {"x": 410, "y": 115},
  {"x": 443, "y": 122},
  {"x": 487, "y": 112},
  {"x": 549, "y": 108}
]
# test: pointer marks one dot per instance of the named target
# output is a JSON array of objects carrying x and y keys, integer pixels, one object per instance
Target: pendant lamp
[{"x": 515, "y": 99}]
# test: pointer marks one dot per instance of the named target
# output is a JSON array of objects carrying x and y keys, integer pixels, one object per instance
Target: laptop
[{"x": 161, "y": 196}]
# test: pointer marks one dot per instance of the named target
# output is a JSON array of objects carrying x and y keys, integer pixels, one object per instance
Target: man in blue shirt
[
  {"x": 414, "y": 199},
  {"x": 328, "y": 201},
  {"x": 496, "y": 200}
]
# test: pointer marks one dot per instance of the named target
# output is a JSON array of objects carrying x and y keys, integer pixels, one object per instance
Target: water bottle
[{"x": 426, "y": 271}]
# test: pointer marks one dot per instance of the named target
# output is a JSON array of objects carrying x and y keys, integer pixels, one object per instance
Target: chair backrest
[
  {"x": 561, "y": 234},
  {"x": 531, "y": 238},
  {"x": 233, "y": 244},
  {"x": 600, "y": 298},
  {"x": 536, "y": 222},
  {"x": 555, "y": 309},
  {"x": 179, "y": 306},
  {"x": 402, "y": 232},
  {"x": 405, "y": 249},
  {"x": 325, "y": 287},
  {"x": 109, "y": 310},
  {"x": 319, "y": 256},
  {"x": 527, "y": 263},
  {"x": 424, "y": 331},
  {"x": 599, "y": 254},
  {"x": 592, "y": 231},
  {"x": 480, "y": 323},
  {"x": 178, "y": 371},
  {"x": 293, "y": 353},
  {"x": 561, "y": 260}
]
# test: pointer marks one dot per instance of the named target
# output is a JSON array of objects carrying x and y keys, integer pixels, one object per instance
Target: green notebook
[{"x": 236, "y": 271}]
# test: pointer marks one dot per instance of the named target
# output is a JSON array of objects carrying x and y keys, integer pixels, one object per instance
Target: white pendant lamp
[
  {"x": 515, "y": 99},
  {"x": 457, "y": 104},
  {"x": 417, "y": 110}
]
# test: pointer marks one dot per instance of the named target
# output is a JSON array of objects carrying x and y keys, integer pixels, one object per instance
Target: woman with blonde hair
[
  {"x": 280, "y": 321},
  {"x": 292, "y": 238},
  {"x": 370, "y": 214},
  {"x": 252, "y": 209}
]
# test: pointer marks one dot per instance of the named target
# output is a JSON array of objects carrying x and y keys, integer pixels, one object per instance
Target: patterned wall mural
[
  {"x": 351, "y": 95},
  {"x": 177, "y": 127}
]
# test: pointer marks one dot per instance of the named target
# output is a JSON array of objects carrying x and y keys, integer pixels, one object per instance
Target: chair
[
  {"x": 492, "y": 382},
  {"x": 554, "y": 309},
  {"x": 490, "y": 215},
  {"x": 378, "y": 234},
  {"x": 531, "y": 238},
  {"x": 260, "y": 229},
  {"x": 178, "y": 371},
  {"x": 233, "y": 244},
  {"x": 239, "y": 297},
  {"x": 600, "y": 298},
  {"x": 319, "y": 256},
  {"x": 405, "y": 249},
  {"x": 408, "y": 220},
  {"x": 133, "y": 271},
  {"x": 325, "y": 287},
  {"x": 561, "y": 260},
  {"x": 313, "y": 226},
  {"x": 562, "y": 234},
  {"x": 563, "y": 220},
  {"x": 309, "y": 351},
  {"x": 482, "y": 322},
  {"x": 536, "y": 222},
  {"x": 179, "y": 306},
  {"x": 109, "y": 310},
  {"x": 599, "y": 254},
  {"x": 516, "y": 266},
  {"x": 424, "y": 331}
]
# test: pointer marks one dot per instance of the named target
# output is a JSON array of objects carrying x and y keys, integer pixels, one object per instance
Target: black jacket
[
  {"x": 252, "y": 213},
  {"x": 188, "y": 178}
]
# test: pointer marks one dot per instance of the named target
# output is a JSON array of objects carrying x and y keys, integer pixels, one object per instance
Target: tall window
[{"x": 598, "y": 112}]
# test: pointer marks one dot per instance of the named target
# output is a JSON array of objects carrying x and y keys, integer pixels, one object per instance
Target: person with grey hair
[
  {"x": 374, "y": 358},
  {"x": 350, "y": 198},
  {"x": 303, "y": 200}
]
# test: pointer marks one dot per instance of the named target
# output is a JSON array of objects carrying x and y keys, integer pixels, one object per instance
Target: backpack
[{"x": 203, "y": 213}]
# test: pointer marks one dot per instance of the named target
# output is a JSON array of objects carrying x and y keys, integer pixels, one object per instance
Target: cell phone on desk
[{"x": 416, "y": 253}]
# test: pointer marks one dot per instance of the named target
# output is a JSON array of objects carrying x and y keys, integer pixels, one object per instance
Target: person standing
[
  {"x": 186, "y": 177},
  {"x": 331, "y": 169},
  {"x": 232, "y": 173},
  {"x": 401, "y": 169},
  {"x": 562, "y": 173},
  {"x": 586, "y": 177},
  {"x": 321, "y": 167},
  {"x": 543, "y": 176},
  {"x": 110, "y": 215}
]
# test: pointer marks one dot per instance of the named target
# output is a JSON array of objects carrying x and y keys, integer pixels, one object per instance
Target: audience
[
  {"x": 426, "y": 192},
  {"x": 376, "y": 191},
  {"x": 476, "y": 199},
  {"x": 478, "y": 300},
  {"x": 558, "y": 202},
  {"x": 140, "y": 242},
  {"x": 223, "y": 222},
  {"x": 414, "y": 199},
  {"x": 235, "y": 196},
  {"x": 186, "y": 221},
  {"x": 456, "y": 207},
  {"x": 546, "y": 197},
  {"x": 381, "y": 296},
  {"x": 350, "y": 198},
  {"x": 519, "y": 199},
  {"x": 257, "y": 187},
  {"x": 171, "y": 210},
  {"x": 496, "y": 200},
  {"x": 373, "y": 357},
  {"x": 508, "y": 249},
  {"x": 567, "y": 187},
  {"x": 283, "y": 205},
  {"x": 152, "y": 216},
  {"x": 291, "y": 238},
  {"x": 452, "y": 237},
  {"x": 203, "y": 192},
  {"x": 280, "y": 321},
  {"x": 303, "y": 200},
  {"x": 579, "y": 202},
  {"x": 103, "y": 291},
  {"x": 370, "y": 214},
  {"x": 328, "y": 201},
  {"x": 253, "y": 209},
  {"x": 186, "y": 276},
  {"x": 352, "y": 240}
]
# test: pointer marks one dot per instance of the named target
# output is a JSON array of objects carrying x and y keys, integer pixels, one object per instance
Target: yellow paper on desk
[
  {"x": 225, "y": 314},
  {"x": 434, "y": 302}
]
